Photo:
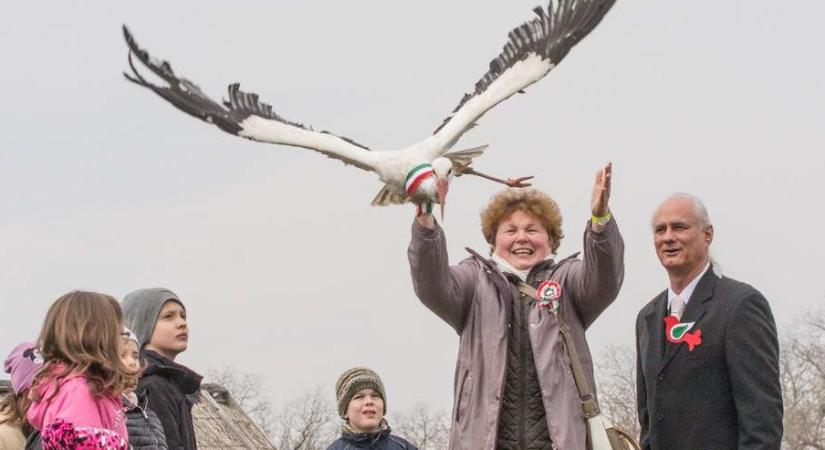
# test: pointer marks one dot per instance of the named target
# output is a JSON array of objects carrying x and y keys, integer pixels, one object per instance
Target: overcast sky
[{"x": 285, "y": 268}]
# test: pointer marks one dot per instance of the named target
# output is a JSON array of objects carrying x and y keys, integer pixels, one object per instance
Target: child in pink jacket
[{"x": 76, "y": 396}]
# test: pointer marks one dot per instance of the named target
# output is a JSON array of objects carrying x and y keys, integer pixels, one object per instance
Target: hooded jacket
[{"x": 170, "y": 390}]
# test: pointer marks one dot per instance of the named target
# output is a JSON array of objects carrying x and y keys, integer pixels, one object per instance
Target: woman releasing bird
[
  {"x": 531, "y": 51},
  {"x": 513, "y": 387}
]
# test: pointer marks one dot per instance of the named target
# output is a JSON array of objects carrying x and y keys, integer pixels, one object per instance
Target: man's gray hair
[{"x": 698, "y": 207}]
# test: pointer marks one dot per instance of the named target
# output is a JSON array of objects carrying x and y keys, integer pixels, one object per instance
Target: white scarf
[{"x": 507, "y": 267}]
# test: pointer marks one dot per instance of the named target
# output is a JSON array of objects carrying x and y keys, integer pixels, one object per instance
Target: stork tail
[{"x": 387, "y": 196}]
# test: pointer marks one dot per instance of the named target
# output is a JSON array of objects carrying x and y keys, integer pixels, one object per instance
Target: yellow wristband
[{"x": 602, "y": 220}]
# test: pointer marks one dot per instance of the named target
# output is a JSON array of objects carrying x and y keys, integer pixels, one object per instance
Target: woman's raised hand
[
  {"x": 601, "y": 191},
  {"x": 425, "y": 219}
]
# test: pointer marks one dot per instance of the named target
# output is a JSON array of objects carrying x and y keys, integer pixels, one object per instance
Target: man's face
[{"x": 682, "y": 243}]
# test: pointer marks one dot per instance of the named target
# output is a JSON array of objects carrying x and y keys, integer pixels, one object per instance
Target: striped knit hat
[{"x": 354, "y": 380}]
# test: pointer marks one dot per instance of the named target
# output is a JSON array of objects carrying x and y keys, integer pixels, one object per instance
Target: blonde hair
[
  {"x": 81, "y": 335},
  {"x": 124, "y": 341},
  {"x": 531, "y": 201}
]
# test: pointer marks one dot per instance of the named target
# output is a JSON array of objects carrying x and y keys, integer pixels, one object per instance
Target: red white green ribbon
[
  {"x": 677, "y": 332},
  {"x": 548, "y": 295},
  {"x": 416, "y": 176}
]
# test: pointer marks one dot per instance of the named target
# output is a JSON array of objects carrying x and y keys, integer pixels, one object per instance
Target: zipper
[
  {"x": 524, "y": 333},
  {"x": 461, "y": 394}
]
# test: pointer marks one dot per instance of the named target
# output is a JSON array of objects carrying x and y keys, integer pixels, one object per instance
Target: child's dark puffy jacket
[
  {"x": 145, "y": 429},
  {"x": 377, "y": 441}
]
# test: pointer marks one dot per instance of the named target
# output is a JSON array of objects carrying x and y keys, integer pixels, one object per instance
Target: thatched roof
[{"x": 220, "y": 423}]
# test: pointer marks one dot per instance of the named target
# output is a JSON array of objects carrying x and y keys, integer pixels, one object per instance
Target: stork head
[{"x": 443, "y": 171}]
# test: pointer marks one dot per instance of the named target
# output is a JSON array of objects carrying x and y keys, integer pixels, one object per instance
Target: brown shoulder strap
[{"x": 589, "y": 404}]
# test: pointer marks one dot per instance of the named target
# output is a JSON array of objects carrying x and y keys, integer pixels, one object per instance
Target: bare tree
[
  {"x": 616, "y": 380},
  {"x": 248, "y": 391},
  {"x": 802, "y": 369},
  {"x": 308, "y": 422},
  {"x": 425, "y": 428}
]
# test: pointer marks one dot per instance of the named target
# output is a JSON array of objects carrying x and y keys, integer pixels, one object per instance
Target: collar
[
  {"x": 505, "y": 266},
  {"x": 351, "y": 434},
  {"x": 129, "y": 401},
  {"x": 156, "y": 364},
  {"x": 687, "y": 292}
]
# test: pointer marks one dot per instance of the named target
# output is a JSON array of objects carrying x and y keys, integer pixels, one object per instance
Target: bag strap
[{"x": 590, "y": 406}]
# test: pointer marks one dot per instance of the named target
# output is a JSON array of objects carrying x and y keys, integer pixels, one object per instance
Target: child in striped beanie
[{"x": 362, "y": 404}]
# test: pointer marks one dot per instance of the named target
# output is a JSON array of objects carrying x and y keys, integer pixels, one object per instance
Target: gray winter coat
[{"x": 476, "y": 300}]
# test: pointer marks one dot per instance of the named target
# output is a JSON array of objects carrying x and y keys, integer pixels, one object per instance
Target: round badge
[
  {"x": 548, "y": 294},
  {"x": 549, "y": 290}
]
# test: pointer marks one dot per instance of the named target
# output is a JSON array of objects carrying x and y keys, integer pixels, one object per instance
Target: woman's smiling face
[{"x": 522, "y": 241}]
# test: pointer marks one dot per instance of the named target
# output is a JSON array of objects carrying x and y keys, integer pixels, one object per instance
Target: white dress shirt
[{"x": 688, "y": 290}]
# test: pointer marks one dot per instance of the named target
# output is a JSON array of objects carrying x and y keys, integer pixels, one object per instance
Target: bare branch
[
  {"x": 425, "y": 428},
  {"x": 616, "y": 381},
  {"x": 248, "y": 391},
  {"x": 802, "y": 370},
  {"x": 308, "y": 422}
]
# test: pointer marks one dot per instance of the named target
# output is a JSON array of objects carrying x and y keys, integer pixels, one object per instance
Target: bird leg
[
  {"x": 424, "y": 208},
  {"x": 512, "y": 182}
]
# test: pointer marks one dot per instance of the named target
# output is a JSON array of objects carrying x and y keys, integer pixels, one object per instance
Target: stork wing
[
  {"x": 531, "y": 51},
  {"x": 243, "y": 114}
]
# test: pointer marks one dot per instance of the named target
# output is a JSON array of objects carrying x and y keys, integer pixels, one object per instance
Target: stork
[{"x": 421, "y": 172}]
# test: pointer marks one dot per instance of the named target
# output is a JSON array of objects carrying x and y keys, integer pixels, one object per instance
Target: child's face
[
  {"x": 366, "y": 410},
  {"x": 129, "y": 354},
  {"x": 171, "y": 335}
]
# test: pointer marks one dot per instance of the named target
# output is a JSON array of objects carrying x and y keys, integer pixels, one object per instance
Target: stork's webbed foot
[{"x": 519, "y": 182}]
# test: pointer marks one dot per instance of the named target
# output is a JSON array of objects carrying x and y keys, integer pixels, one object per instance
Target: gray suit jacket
[{"x": 726, "y": 393}]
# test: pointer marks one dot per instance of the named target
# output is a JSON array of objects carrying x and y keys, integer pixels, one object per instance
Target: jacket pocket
[{"x": 463, "y": 399}]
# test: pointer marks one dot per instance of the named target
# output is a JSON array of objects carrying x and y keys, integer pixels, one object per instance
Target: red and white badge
[{"x": 548, "y": 295}]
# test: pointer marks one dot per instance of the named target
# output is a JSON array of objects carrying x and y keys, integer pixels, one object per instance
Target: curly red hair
[{"x": 528, "y": 200}]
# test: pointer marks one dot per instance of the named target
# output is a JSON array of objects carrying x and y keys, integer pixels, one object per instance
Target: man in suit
[{"x": 707, "y": 353}]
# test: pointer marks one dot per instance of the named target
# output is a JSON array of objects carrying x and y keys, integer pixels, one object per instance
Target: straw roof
[{"x": 220, "y": 423}]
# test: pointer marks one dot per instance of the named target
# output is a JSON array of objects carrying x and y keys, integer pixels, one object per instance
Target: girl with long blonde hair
[{"x": 76, "y": 394}]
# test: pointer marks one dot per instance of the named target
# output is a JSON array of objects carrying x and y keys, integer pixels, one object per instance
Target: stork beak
[{"x": 442, "y": 186}]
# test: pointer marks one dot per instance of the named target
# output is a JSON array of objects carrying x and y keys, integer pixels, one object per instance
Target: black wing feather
[
  {"x": 550, "y": 35},
  {"x": 188, "y": 97}
]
